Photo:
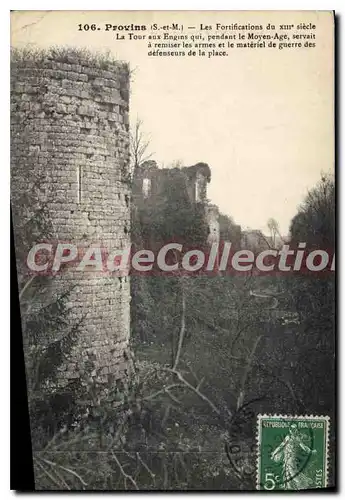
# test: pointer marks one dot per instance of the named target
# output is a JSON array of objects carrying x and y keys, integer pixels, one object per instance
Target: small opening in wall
[
  {"x": 79, "y": 174},
  {"x": 146, "y": 187},
  {"x": 197, "y": 191}
]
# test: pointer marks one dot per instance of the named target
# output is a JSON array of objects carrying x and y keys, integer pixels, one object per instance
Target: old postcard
[{"x": 173, "y": 209}]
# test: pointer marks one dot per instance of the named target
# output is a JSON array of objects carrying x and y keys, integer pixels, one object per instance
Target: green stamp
[{"x": 292, "y": 452}]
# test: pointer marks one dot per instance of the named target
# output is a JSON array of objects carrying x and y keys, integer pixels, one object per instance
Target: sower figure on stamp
[{"x": 288, "y": 453}]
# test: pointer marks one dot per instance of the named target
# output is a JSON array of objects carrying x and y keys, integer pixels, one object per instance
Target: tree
[
  {"x": 314, "y": 298},
  {"x": 229, "y": 231},
  {"x": 273, "y": 227},
  {"x": 314, "y": 222},
  {"x": 139, "y": 145}
]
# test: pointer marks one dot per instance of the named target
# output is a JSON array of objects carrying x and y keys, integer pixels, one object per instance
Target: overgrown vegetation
[
  {"x": 66, "y": 54},
  {"x": 48, "y": 334},
  {"x": 209, "y": 357},
  {"x": 314, "y": 298}
]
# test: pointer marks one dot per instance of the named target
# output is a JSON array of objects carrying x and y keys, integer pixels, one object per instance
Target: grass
[{"x": 68, "y": 55}]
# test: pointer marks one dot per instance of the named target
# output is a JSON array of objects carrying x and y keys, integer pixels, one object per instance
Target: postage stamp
[{"x": 292, "y": 452}]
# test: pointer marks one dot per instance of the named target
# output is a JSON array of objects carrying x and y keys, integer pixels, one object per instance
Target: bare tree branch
[
  {"x": 194, "y": 389},
  {"x": 182, "y": 329},
  {"x": 245, "y": 373},
  {"x": 124, "y": 473},
  {"x": 146, "y": 467},
  {"x": 26, "y": 286},
  {"x": 139, "y": 145},
  {"x": 65, "y": 469}
]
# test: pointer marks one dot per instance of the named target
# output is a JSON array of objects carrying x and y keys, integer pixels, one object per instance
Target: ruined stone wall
[
  {"x": 195, "y": 179},
  {"x": 69, "y": 125}
]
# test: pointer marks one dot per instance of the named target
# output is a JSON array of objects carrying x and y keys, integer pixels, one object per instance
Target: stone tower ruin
[{"x": 69, "y": 126}]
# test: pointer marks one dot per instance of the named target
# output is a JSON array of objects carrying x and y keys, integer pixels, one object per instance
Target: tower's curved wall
[{"x": 69, "y": 125}]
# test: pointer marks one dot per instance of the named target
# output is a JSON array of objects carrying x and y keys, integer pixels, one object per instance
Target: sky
[{"x": 261, "y": 118}]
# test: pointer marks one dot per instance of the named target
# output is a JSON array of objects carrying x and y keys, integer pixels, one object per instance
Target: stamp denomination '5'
[{"x": 292, "y": 452}]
